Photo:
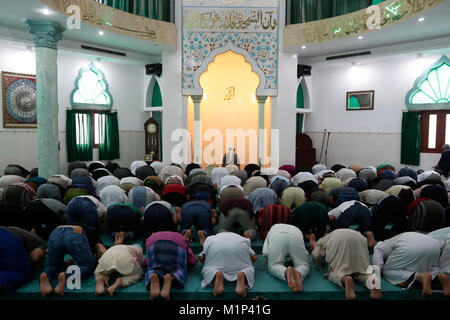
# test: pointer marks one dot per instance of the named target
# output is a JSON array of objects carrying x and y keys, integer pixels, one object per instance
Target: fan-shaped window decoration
[
  {"x": 91, "y": 90},
  {"x": 154, "y": 97},
  {"x": 431, "y": 90}
]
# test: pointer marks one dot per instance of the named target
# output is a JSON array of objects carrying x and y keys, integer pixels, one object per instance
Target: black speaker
[
  {"x": 155, "y": 68},
  {"x": 303, "y": 70}
]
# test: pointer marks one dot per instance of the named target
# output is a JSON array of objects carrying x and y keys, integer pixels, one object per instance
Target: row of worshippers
[{"x": 147, "y": 200}]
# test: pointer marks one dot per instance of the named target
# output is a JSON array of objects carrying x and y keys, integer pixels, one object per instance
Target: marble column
[
  {"x": 261, "y": 142},
  {"x": 46, "y": 35},
  {"x": 197, "y": 130}
]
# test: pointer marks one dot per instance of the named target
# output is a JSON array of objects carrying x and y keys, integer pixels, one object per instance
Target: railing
[
  {"x": 154, "y": 9},
  {"x": 300, "y": 11}
]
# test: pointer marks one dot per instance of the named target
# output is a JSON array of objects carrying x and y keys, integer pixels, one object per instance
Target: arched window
[
  {"x": 91, "y": 124},
  {"x": 153, "y": 97},
  {"x": 431, "y": 96},
  {"x": 302, "y": 105},
  {"x": 91, "y": 90}
]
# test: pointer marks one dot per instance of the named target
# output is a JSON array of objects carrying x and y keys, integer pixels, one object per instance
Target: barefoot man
[
  {"x": 411, "y": 258},
  {"x": 286, "y": 240},
  {"x": 120, "y": 266},
  {"x": 347, "y": 255},
  {"x": 228, "y": 256}
]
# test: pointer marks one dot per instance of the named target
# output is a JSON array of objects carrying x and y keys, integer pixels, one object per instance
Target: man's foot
[
  {"x": 113, "y": 288},
  {"x": 371, "y": 239},
  {"x": 46, "y": 288},
  {"x": 247, "y": 235},
  {"x": 425, "y": 279},
  {"x": 312, "y": 241},
  {"x": 290, "y": 278},
  {"x": 188, "y": 234},
  {"x": 202, "y": 236},
  {"x": 119, "y": 238},
  {"x": 349, "y": 288},
  {"x": 445, "y": 282},
  {"x": 375, "y": 294},
  {"x": 298, "y": 280},
  {"x": 165, "y": 292},
  {"x": 154, "y": 287},
  {"x": 59, "y": 289},
  {"x": 218, "y": 285},
  {"x": 100, "y": 286},
  {"x": 240, "y": 285}
]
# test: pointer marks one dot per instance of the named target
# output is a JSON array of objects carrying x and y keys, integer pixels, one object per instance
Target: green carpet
[{"x": 315, "y": 287}]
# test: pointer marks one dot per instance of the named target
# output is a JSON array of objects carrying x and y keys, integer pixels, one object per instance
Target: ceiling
[
  {"x": 436, "y": 25},
  {"x": 431, "y": 34},
  {"x": 14, "y": 13}
]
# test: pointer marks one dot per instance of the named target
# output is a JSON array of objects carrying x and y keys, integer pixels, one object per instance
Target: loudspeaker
[
  {"x": 303, "y": 70},
  {"x": 155, "y": 68}
]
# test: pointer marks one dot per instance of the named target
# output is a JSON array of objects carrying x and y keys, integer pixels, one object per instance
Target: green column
[{"x": 46, "y": 35}]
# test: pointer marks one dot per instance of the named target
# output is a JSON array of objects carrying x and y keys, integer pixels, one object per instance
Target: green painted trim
[
  {"x": 300, "y": 97},
  {"x": 91, "y": 105},
  {"x": 156, "y": 95},
  {"x": 416, "y": 87},
  {"x": 45, "y": 33}
]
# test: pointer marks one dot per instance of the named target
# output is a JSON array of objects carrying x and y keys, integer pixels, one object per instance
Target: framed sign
[
  {"x": 19, "y": 100},
  {"x": 360, "y": 100}
]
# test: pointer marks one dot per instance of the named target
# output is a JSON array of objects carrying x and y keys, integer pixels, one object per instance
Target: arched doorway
[{"x": 229, "y": 103}]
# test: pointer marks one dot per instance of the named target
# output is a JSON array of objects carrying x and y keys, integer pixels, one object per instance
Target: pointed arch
[
  {"x": 91, "y": 90},
  {"x": 154, "y": 95},
  {"x": 260, "y": 91},
  {"x": 302, "y": 95}
]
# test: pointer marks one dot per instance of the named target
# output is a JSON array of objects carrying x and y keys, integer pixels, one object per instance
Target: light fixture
[
  {"x": 46, "y": 11},
  {"x": 100, "y": 33},
  {"x": 421, "y": 19},
  {"x": 303, "y": 47},
  {"x": 360, "y": 37}
]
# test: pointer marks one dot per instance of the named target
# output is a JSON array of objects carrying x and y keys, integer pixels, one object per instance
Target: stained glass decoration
[
  {"x": 91, "y": 90},
  {"x": 432, "y": 89}
]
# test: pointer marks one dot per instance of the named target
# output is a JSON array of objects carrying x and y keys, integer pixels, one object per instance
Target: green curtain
[
  {"x": 110, "y": 148},
  {"x": 154, "y": 9},
  {"x": 299, "y": 123},
  {"x": 83, "y": 149},
  {"x": 374, "y": 2},
  {"x": 410, "y": 149},
  {"x": 341, "y": 7},
  {"x": 310, "y": 10},
  {"x": 156, "y": 96},
  {"x": 123, "y": 5},
  {"x": 157, "y": 115},
  {"x": 300, "y": 100}
]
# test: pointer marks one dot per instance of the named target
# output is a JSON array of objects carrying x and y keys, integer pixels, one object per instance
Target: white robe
[
  {"x": 125, "y": 259},
  {"x": 230, "y": 253},
  {"x": 404, "y": 255},
  {"x": 443, "y": 236},
  {"x": 285, "y": 240}
]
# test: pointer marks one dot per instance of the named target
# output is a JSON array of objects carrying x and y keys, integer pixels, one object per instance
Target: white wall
[
  {"x": 286, "y": 99},
  {"x": 369, "y": 137},
  {"x": 125, "y": 84}
]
